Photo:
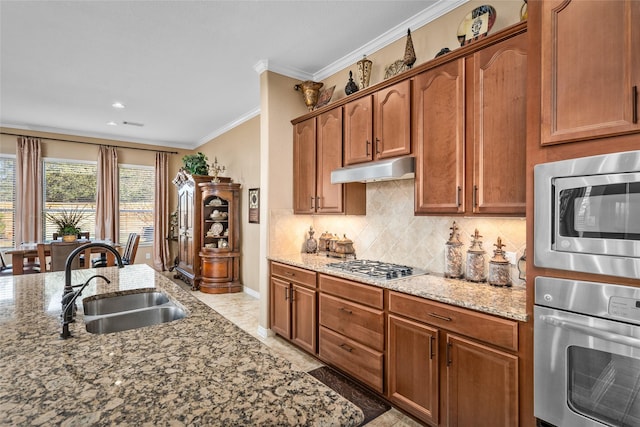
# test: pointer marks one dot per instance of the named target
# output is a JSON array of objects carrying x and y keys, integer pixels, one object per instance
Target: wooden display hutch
[
  {"x": 187, "y": 266},
  {"x": 220, "y": 251}
]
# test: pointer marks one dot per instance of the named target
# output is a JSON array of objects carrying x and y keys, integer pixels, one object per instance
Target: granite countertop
[
  {"x": 200, "y": 370},
  {"x": 505, "y": 302}
]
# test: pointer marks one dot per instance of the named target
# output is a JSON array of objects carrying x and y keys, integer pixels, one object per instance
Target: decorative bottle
[
  {"x": 475, "y": 260},
  {"x": 311, "y": 244},
  {"x": 499, "y": 271},
  {"x": 453, "y": 254}
]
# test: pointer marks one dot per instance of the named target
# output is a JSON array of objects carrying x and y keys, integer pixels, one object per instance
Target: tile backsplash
[{"x": 391, "y": 232}]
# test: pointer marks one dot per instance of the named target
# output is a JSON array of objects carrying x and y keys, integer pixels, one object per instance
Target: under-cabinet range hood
[{"x": 396, "y": 168}]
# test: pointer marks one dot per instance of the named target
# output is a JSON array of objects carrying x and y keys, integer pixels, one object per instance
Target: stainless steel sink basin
[
  {"x": 133, "y": 319},
  {"x": 120, "y": 303}
]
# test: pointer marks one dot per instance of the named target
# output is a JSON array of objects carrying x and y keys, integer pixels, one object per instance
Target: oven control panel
[{"x": 626, "y": 308}]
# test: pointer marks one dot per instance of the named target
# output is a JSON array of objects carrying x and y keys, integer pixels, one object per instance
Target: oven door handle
[{"x": 606, "y": 335}]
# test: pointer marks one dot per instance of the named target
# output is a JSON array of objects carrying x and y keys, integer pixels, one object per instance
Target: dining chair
[
  {"x": 128, "y": 254},
  {"x": 58, "y": 254},
  {"x": 81, "y": 235}
]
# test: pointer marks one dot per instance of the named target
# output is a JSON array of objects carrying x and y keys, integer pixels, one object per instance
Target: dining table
[{"x": 29, "y": 251}]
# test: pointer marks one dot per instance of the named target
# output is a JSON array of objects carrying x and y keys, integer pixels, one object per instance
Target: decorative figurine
[
  {"x": 453, "y": 254},
  {"x": 499, "y": 272},
  {"x": 409, "y": 52},
  {"x": 351, "y": 86},
  {"x": 311, "y": 245},
  {"x": 475, "y": 260}
]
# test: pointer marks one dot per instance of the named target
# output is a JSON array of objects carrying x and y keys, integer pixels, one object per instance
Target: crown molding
[{"x": 226, "y": 128}]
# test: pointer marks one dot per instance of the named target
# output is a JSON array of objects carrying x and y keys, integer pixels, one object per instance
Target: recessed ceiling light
[
  {"x": 112, "y": 123},
  {"x": 118, "y": 105}
]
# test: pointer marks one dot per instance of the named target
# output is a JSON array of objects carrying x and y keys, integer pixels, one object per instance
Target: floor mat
[{"x": 371, "y": 405}]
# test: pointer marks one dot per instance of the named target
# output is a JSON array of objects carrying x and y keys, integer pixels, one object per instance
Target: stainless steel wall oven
[{"x": 586, "y": 354}]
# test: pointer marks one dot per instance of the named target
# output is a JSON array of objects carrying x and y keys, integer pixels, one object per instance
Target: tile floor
[{"x": 242, "y": 309}]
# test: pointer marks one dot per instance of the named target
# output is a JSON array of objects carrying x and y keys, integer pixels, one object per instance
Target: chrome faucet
[{"x": 69, "y": 297}]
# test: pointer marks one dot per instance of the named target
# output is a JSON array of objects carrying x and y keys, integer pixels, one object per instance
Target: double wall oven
[{"x": 587, "y": 334}]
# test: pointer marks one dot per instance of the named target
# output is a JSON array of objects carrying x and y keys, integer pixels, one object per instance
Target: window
[
  {"x": 7, "y": 200},
  {"x": 69, "y": 185},
  {"x": 136, "y": 187}
]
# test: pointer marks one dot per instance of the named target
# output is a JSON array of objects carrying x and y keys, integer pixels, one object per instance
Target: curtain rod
[{"x": 90, "y": 143}]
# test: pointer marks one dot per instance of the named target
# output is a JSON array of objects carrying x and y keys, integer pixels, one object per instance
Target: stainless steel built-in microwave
[{"x": 587, "y": 214}]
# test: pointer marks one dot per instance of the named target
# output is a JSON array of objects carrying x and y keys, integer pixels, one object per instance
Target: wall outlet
[
  {"x": 147, "y": 256},
  {"x": 511, "y": 256}
]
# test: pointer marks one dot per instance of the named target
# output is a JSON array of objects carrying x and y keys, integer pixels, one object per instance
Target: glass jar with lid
[
  {"x": 499, "y": 269},
  {"x": 453, "y": 254}
]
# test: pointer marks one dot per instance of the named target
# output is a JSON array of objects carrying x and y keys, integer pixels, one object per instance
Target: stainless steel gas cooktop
[{"x": 376, "y": 269}]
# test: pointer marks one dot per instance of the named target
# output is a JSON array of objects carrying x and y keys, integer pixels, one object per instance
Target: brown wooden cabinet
[
  {"x": 589, "y": 84},
  {"x": 351, "y": 337},
  {"x": 451, "y": 366},
  {"x": 470, "y": 134},
  {"x": 220, "y": 237},
  {"x": 378, "y": 126},
  {"x": 189, "y": 236},
  {"x": 317, "y": 150},
  {"x": 293, "y": 305}
]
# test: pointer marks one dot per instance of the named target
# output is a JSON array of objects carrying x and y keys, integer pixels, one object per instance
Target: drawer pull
[
  {"x": 286, "y": 294},
  {"x": 346, "y": 347},
  {"x": 449, "y": 361},
  {"x": 345, "y": 310},
  {"x": 288, "y": 273},
  {"x": 437, "y": 316}
]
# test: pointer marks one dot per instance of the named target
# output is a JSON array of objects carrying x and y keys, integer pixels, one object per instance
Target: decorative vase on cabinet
[{"x": 220, "y": 250}]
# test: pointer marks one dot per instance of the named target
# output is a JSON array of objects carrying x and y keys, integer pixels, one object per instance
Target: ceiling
[{"x": 187, "y": 71}]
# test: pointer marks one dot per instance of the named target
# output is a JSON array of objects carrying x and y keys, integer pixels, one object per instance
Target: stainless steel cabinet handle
[
  {"x": 438, "y": 316},
  {"x": 590, "y": 331}
]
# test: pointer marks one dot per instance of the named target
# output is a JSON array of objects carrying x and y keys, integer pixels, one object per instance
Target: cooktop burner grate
[{"x": 376, "y": 269}]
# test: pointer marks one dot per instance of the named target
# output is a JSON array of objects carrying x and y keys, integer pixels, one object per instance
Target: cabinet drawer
[
  {"x": 362, "y": 324},
  {"x": 298, "y": 275},
  {"x": 357, "y": 292},
  {"x": 359, "y": 361},
  {"x": 486, "y": 328}
]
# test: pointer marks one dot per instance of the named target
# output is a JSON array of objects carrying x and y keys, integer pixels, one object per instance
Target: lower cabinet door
[
  {"x": 413, "y": 368},
  {"x": 303, "y": 322},
  {"x": 482, "y": 385},
  {"x": 359, "y": 361},
  {"x": 280, "y": 310}
]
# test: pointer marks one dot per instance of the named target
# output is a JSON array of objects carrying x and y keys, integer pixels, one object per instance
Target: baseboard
[
  {"x": 251, "y": 292},
  {"x": 264, "y": 332}
]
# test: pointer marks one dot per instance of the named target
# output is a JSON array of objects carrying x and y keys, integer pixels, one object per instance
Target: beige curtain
[
  {"x": 107, "y": 194},
  {"x": 161, "y": 213},
  {"x": 28, "y": 226}
]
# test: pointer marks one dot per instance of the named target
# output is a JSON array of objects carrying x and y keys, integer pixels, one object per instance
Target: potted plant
[
  {"x": 67, "y": 222},
  {"x": 196, "y": 164}
]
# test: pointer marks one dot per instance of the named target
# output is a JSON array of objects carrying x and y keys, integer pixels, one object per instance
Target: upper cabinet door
[
  {"x": 304, "y": 166},
  {"x": 499, "y": 127},
  {"x": 392, "y": 107},
  {"x": 590, "y": 69},
  {"x": 329, "y": 157},
  {"x": 358, "y": 131},
  {"x": 439, "y": 140}
]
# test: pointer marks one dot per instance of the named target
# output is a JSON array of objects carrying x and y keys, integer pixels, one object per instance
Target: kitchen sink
[
  {"x": 120, "y": 303},
  {"x": 133, "y": 319},
  {"x": 116, "y": 313}
]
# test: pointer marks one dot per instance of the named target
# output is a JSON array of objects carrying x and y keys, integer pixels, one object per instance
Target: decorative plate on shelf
[
  {"x": 476, "y": 24},
  {"x": 216, "y": 228}
]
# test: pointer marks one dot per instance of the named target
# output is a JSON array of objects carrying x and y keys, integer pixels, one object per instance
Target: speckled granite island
[
  {"x": 505, "y": 302},
  {"x": 200, "y": 370}
]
